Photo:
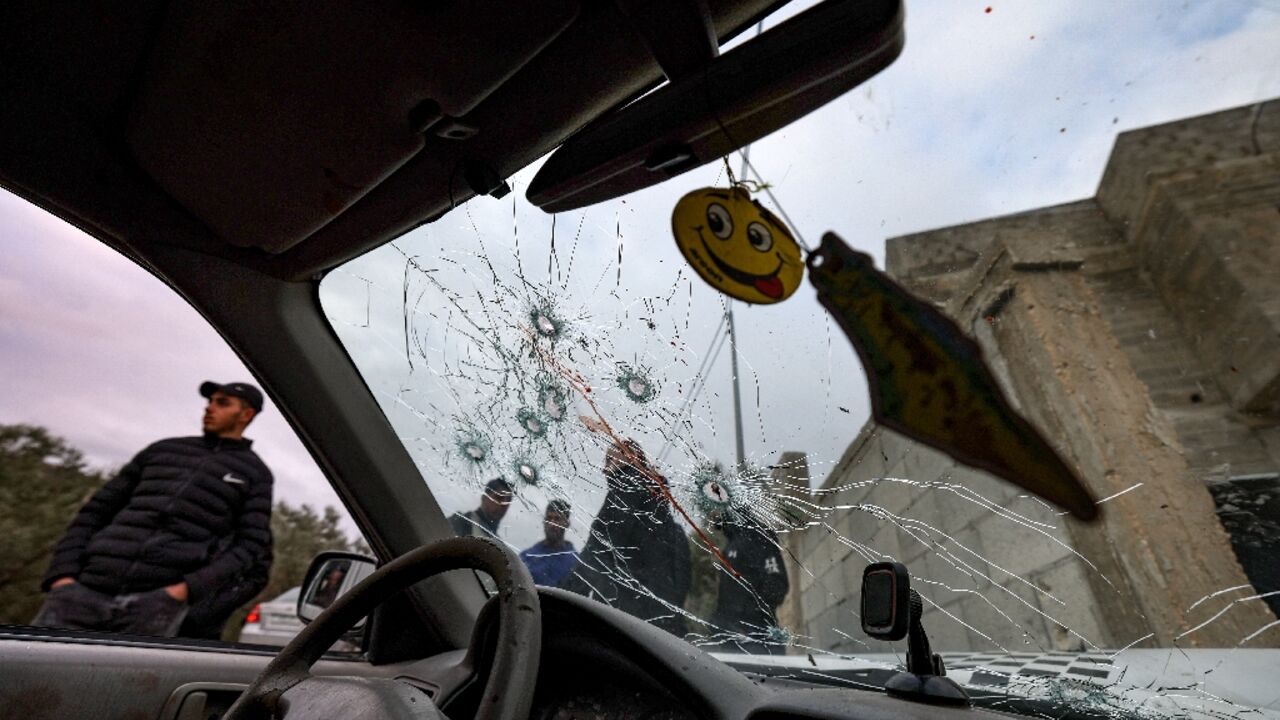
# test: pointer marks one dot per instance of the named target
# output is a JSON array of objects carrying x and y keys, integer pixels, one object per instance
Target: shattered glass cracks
[{"x": 601, "y": 392}]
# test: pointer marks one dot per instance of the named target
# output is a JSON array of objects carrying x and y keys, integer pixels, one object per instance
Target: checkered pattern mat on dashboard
[{"x": 996, "y": 668}]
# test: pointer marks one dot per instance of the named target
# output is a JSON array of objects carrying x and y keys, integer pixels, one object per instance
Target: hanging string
[
  {"x": 758, "y": 185},
  {"x": 767, "y": 188},
  {"x": 751, "y": 186}
]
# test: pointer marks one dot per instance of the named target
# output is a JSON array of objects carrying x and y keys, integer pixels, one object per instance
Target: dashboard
[
  {"x": 595, "y": 662},
  {"x": 600, "y": 663}
]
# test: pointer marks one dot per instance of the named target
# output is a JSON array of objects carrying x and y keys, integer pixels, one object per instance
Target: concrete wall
[
  {"x": 1141, "y": 332},
  {"x": 981, "y": 554}
]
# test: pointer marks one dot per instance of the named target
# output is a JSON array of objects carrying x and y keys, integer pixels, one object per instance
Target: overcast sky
[{"x": 985, "y": 113}]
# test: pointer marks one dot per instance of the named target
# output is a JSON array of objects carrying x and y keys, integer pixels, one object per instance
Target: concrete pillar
[{"x": 1159, "y": 549}]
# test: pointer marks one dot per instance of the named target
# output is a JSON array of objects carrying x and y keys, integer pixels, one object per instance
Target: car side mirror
[
  {"x": 331, "y": 574},
  {"x": 886, "y": 601}
]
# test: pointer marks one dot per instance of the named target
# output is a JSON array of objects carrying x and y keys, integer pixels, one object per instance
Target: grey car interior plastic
[{"x": 286, "y": 684}]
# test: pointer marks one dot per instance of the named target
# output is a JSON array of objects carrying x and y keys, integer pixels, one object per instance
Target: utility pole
[
  {"x": 733, "y": 347},
  {"x": 737, "y": 391}
]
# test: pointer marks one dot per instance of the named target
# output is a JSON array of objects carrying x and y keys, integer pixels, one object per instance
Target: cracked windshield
[{"x": 1036, "y": 362}]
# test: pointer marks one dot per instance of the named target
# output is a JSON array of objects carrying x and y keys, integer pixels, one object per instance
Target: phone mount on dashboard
[{"x": 891, "y": 610}]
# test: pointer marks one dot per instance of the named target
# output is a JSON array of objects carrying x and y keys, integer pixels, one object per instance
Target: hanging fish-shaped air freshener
[
  {"x": 929, "y": 381},
  {"x": 736, "y": 245}
]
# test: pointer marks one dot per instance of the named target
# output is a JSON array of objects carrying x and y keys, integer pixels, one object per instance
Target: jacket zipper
[{"x": 142, "y": 549}]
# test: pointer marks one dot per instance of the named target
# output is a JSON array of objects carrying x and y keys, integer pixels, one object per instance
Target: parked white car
[{"x": 274, "y": 622}]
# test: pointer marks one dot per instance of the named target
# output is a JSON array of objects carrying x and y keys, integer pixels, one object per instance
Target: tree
[{"x": 43, "y": 482}]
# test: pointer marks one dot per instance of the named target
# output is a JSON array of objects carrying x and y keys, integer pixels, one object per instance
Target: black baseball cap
[{"x": 244, "y": 391}]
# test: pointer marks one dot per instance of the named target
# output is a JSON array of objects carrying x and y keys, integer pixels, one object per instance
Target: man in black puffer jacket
[{"x": 179, "y": 522}]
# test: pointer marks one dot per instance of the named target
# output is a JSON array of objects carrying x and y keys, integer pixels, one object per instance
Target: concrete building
[{"x": 1140, "y": 330}]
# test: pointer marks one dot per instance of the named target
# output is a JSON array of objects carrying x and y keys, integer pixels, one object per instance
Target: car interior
[{"x": 239, "y": 151}]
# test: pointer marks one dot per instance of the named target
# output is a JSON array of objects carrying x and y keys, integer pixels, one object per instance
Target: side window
[{"x": 146, "y": 485}]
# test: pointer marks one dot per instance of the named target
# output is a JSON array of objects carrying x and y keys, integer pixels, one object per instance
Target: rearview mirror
[
  {"x": 331, "y": 574},
  {"x": 886, "y": 601},
  {"x": 732, "y": 100}
]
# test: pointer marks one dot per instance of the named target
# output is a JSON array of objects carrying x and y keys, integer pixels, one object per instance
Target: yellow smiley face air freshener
[{"x": 737, "y": 246}]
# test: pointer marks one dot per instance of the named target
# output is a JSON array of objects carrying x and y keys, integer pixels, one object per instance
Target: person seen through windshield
[
  {"x": 637, "y": 557},
  {"x": 747, "y": 606},
  {"x": 484, "y": 520},
  {"x": 551, "y": 559}
]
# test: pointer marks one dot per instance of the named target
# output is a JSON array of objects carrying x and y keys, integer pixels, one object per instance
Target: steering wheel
[{"x": 286, "y": 687}]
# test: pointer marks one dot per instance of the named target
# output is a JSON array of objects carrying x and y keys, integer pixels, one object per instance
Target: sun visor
[
  {"x": 759, "y": 87},
  {"x": 267, "y": 120}
]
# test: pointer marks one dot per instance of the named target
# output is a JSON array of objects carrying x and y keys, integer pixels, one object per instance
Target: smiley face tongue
[{"x": 770, "y": 287}]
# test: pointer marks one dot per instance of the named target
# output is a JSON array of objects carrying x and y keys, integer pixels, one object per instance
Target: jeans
[{"x": 77, "y": 607}]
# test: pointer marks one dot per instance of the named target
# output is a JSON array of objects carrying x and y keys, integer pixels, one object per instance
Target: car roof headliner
[{"x": 122, "y": 118}]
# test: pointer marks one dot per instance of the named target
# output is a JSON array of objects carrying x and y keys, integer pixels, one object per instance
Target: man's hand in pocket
[{"x": 178, "y": 591}]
